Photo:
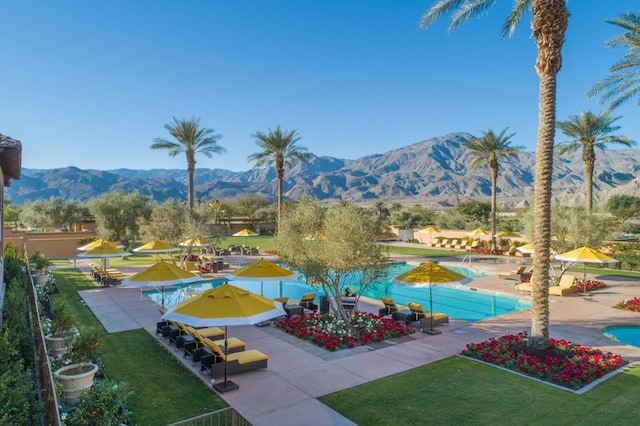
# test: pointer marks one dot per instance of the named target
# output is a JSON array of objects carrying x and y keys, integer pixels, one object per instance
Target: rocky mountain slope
[{"x": 433, "y": 173}]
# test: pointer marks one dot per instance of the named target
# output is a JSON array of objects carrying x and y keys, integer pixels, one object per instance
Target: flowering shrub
[
  {"x": 566, "y": 364},
  {"x": 630, "y": 305},
  {"x": 329, "y": 332},
  {"x": 589, "y": 285}
]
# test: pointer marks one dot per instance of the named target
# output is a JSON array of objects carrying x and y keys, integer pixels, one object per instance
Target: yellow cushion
[
  {"x": 246, "y": 357},
  {"x": 232, "y": 342}
]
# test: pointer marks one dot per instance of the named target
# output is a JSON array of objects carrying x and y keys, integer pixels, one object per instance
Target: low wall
[{"x": 52, "y": 244}]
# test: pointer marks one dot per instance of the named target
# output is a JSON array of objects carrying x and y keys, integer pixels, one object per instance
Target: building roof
[{"x": 10, "y": 158}]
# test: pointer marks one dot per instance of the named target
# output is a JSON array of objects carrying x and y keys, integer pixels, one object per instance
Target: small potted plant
[
  {"x": 40, "y": 266},
  {"x": 79, "y": 375},
  {"x": 61, "y": 330}
]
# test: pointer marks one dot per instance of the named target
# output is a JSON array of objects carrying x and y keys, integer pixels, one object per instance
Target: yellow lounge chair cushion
[
  {"x": 246, "y": 357},
  {"x": 232, "y": 342}
]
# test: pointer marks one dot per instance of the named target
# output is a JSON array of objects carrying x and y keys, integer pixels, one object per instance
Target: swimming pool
[
  {"x": 458, "y": 301},
  {"x": 627, "y": 334}
]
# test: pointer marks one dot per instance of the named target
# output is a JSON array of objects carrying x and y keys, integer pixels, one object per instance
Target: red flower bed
[
  {"x": 630, "y": 305},
  {"x": 565, "y": 363},
  {"x": 589, "y": 285},
  {"x": 326, "y": 331}
]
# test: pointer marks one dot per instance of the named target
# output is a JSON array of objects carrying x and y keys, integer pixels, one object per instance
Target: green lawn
[
  {"x": 419, "y": 251},
  {"x": 461, "y": 391},
  {"x": 164, "y": 391}
]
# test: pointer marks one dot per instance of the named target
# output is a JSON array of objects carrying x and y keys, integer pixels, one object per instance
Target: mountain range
[{"x": 433, "y": 173}]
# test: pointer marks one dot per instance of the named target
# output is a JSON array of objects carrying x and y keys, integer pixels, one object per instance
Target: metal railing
[{"x": 226, "y": 416}]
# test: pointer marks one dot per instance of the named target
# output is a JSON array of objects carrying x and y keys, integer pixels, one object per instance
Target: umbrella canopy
[
  {"x": 97, "y": 243},
  {"x": 261, "y": 270},
  {"x": 156, "y": 247},
  {"x": 508, "y": 234},
  {"x": 105, "y": 250},
  {"x": 387, "y": 236},
  {"x": 585, "y": 255},
  {"x": 478, "y": 231},
  {"x": 195, "y": 242},
  {"x": 429, "y": 274},
  {"x": 246, "y": 232},
  {"x": 161, "y": 273},
  {"x": 530, "y": 249},
  {"x": 429, "y": 229},
  {"x": 225, "y": 305}
]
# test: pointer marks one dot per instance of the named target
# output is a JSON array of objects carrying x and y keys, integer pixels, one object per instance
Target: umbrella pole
[
  {"x": 226, "y": 385},
  {"x": 431, "y": 330}
]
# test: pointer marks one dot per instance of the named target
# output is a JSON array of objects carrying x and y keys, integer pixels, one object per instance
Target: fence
[{"x": 226, "y": 416}]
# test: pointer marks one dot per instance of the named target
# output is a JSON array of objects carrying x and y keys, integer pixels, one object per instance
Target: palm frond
[
  {"x": 469, "y": 9},
  {"x": 439, "y": 10}
]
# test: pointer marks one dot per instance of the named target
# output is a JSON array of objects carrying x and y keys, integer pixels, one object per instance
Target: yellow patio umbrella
[
  {"x": 195, "y": 242},
  {"x": 97, "y": 243},
  {"x": 156, "y": 247},
  {"x": 430, "y": 230},
  {"x": 429, "y": 274},
  {"x": 161, "y": 274},
  {"x": 225, "y": 305},
  {"x": 246, "y": 232},
  {"x": 478, "y": 231},
  {"x": 104, "y": 251},
  {"x": 530, "y": 249},
  {"x": 387, "y": 236},
  {"x": 585, "y": 255},
  {"x": 508, "y": 234},
  {"x": 262, "y": 270}
]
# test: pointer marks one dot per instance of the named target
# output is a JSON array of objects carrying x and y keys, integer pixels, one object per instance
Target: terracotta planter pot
[
  {"x": 75, "y": 378},
  {"x": 41, "y": 278},
  {"x": 57, "y": 343}
]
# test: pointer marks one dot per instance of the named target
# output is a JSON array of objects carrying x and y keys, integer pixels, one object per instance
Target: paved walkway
[{"x": 299, "y": 372}]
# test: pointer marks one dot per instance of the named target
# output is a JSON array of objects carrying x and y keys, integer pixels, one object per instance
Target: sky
[{"x": 91, "y": 83}]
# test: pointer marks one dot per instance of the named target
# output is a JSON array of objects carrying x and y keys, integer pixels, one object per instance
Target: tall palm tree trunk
[
  {"x": 280, "y": 174},
  {"x": 190, "y": 171},
  {"x": 549, "y": 24},
  {"x": 494, "y": 188},
  {"x": 589, "y": 159}
]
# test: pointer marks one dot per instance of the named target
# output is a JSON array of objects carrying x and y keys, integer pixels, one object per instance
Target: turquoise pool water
[
  {"x": 458, "y": 302},
  {"x": 627, "y": 334}
]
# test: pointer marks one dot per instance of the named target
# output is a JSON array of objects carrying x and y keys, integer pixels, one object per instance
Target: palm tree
[
  {"x": 279, "y": 148},
  {"x": 191, "y": 140},
  {"x": 549, "y": 22},
  {"x": 623, "y": 81},
  {"x": 589, "y": 131},
  {"x": 488, "y": 151}
]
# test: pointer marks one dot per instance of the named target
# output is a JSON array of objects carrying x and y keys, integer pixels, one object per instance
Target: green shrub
[{"x": 102, "y": 404}]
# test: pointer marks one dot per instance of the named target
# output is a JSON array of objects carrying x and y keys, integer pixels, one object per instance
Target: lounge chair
[
  {"x": 453, "y": 243},
  {"x": 192, "y": 267},
  {"x": 474, "y": 245},
  {"x": 565, "y": 286},
  {"x": 201, "y": 346},
  {"x": 443, "y": 243},
  {"x": 525, "y": 287},
  {"x": 390, "y": 308},
  {"x": 290, "y": 310},
  {"x": 426, "y": 320},
  {"x": 463, "y": 245},
  {"x": 306, "y": 301},
  {"x": 515, "y": 275},
  {"x": 235, "y": 362}
]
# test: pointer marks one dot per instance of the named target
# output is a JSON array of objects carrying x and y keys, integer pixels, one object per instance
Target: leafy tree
[
  {"x": 589, "y": 131},
  {"x": 451, "y": 219},
  {"x": 474, "y": 211},
  {"x": 347, "y": 255},
  {"x": 117, "y": 214},
  {"x": 624, "y": 207},
  {"x": 191, "y": 140},
  {"x": 623, "y": 81},
  {"x": 12, "y": 214},
  {"x": 487, "y": 151},
  {"x": 279, "y": 148},
  {"x": 167, "y": 222},
  {"x": 549, "y": 22},
  {"x": 51, "y": 214}
]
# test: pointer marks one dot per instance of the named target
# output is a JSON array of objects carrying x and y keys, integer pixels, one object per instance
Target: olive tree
[
  {"x": 334, "y": 248},
  {"x": 117, "y": 214},
  {"x": 165, "y": 223},
  {"x": 51, "y": 214}
]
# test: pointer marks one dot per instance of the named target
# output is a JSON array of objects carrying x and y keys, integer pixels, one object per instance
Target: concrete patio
[{"x": 299, "y": 372}]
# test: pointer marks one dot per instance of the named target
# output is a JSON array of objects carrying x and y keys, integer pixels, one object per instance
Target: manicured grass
[
  {"x": 460, "y": 391},
  {"x": 164, "y": 391}
]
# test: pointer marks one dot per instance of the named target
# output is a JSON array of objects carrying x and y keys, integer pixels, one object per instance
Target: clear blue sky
[{"x": 91, "y": 83}]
